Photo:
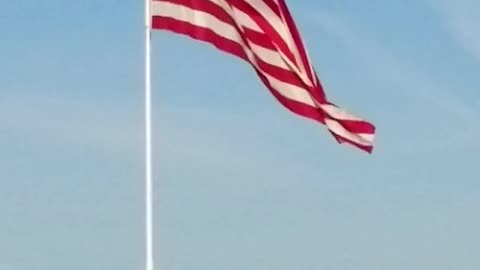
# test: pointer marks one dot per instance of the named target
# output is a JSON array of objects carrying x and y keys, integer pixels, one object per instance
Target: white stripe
[
  {"x": 202, "y": 19},
  {"x": 293, "y": 47},
  {"x": 368, "y": 137},
  {"x": 270, "y": 16},
  {"x": 268, "y": 56},
  {"x": 298, "y": 94},
  {"x": 337, "y": 129},
  {"x": 207, "y": 20},
  {"x": 278, "y": 24},
  {"x": 338, "y": 113},
  {"x": 312, "y": 71},
  {"x": 289, "y": 91},
  {"x": 245, "y": 20},
  {"x": 196, "y": 17}
]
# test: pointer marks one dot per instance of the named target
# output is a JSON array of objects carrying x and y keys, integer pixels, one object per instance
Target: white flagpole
[{"x": 148, "y": 142}]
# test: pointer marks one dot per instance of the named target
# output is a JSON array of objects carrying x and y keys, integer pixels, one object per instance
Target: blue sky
[{"x": 240, "y": 183}]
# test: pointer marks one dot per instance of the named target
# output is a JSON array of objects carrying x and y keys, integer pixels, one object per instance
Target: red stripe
[
  {"x": 280, "y": 74},
  {"x": 256, "y": 37},
  {"x": 259, "y": 39},
  {"x": 310, "y": 113},
  {"x": 355, "y": 126},
  {"x": 296, "y": 36},
  {"x": 266, "y": 27},
  {"x": 218, "y": 41},
  {"x": 366, "y": 148},
  {"x": 207, "y": 35},
  {"x": 267, "y": 40},
  {"x": 273, "y": 35},
  {"x": 295, "y": 106},
  {"x": 204, "y": 6},
  {"x": 199, "y": 33},
  {"x": 320, "y": 91},
  {"x": 234, "y": 48},
  {"x": 273, "y": 6},
  {"x": 358, "y": 126}
]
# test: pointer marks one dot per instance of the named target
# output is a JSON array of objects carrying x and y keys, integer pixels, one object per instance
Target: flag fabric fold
[{"x": 263, "y": 33}]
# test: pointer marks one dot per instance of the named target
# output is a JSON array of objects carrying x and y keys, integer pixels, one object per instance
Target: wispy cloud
[
  {"x": 181, "y": 134},
  {"x": 4, "y": 266},
  {"x": 394, "y": 71},
  {"x": 462, "y": 20},
  {"x": 67, "y": 122}
]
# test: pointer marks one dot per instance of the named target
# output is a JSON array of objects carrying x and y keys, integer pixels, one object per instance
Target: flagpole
[{"x": 148, "y": 143}]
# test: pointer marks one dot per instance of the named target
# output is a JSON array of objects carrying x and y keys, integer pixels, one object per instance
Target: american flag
[{"x": 263, "y": 33}]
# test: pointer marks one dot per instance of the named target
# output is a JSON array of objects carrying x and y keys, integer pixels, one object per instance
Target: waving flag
[{"x": 263, "y": 33}]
